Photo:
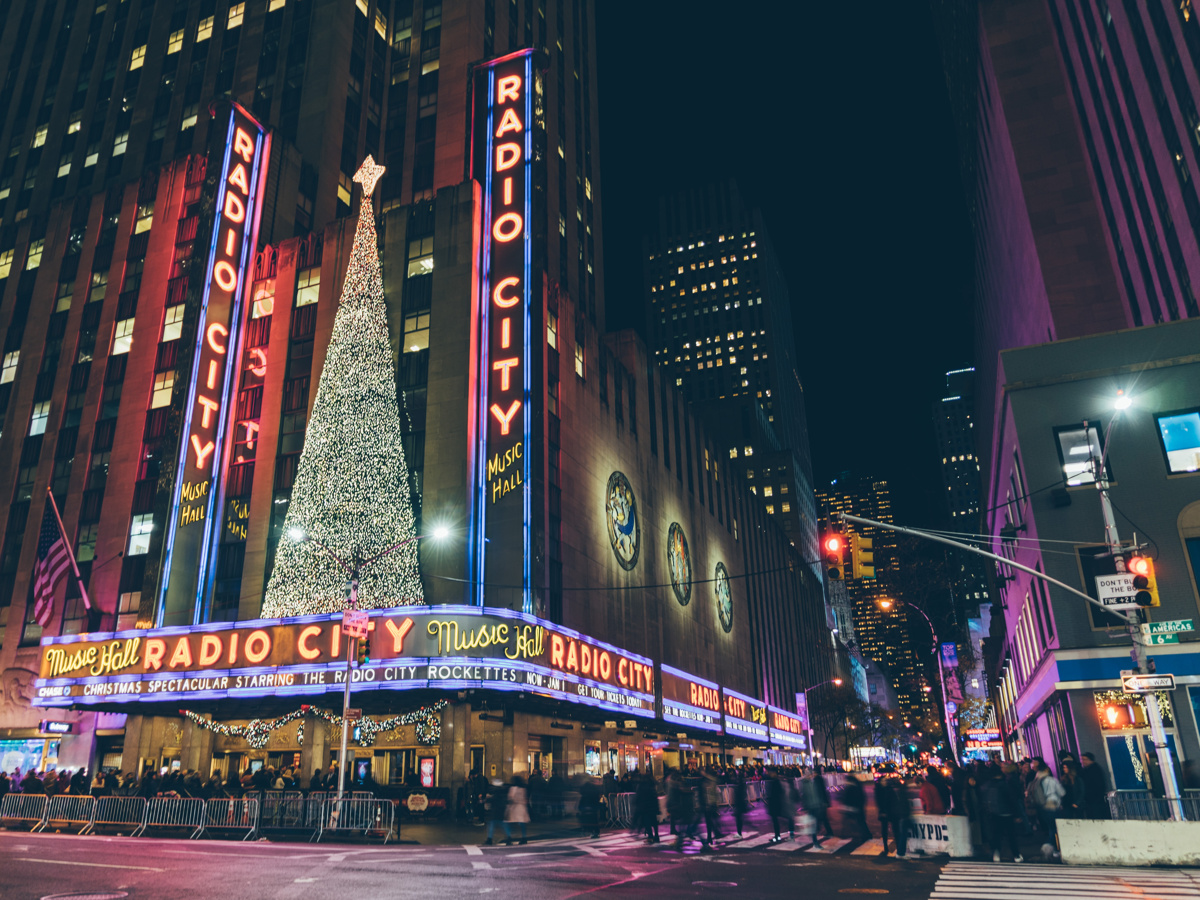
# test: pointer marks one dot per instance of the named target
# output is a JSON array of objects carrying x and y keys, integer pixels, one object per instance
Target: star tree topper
[{"x": 368, "y": 175}]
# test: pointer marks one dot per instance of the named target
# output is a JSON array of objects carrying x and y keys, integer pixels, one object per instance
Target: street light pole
[
  {"x": 808, "y": 713},
  {"x": 941, "y": 679}
]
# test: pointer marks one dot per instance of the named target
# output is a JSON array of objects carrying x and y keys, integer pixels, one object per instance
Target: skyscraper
[
  {"x": 955, "y": 434},
  {"x": 720, "y": 325}
]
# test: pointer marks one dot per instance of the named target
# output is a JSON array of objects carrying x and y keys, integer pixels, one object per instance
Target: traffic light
[
  {"x": 834, "y": 544},
  {"x": 364, "y": 650},
  {"x": 1142, "y": 568},
  {"x": 862, "y": 556}
]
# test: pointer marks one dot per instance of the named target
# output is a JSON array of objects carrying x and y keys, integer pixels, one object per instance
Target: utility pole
[{"x": 353, "y": 604}]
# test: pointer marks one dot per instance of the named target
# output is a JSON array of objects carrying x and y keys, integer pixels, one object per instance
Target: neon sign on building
[
  {"x": 504, "y": 317},
  {"x": 193, "y": 529}
]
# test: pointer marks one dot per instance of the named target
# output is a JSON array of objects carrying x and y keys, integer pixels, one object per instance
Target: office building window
[
  {"x": 416, "y": 333},
  {"x": 308, "y": 286},
  {"x": 1077, "y": 448},
  {"x": 9, "y": 370},
  {"x": 35, "y": 255},
  {"x": 237, "y": 12},
  {"x": 37, "y": 422},
  {"x": 204, "y": 30},
  {"x": 1179, "y": 434},
  {"x": 175, "y": 42},
  {"x": 122, "y": 337},
  {"x": 579, "y": 369},
  {"x": 139, "y": 534},
  {"x": 138, "y": 59},
  {"x": 552, "y": 329},
  {"x": 420, "y": 257},
  {"x": 164, "y": 382},
  {"x": 173, "y": 323}
]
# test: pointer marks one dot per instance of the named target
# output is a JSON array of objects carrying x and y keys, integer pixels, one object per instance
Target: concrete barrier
[
  {"x": 940, "y": 834},
  {"x": 1100, "y": 842}
]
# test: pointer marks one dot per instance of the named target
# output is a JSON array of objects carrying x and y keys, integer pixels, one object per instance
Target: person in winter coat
[
  {"x": 820, "y": 804},
  {"x": 517, "y": 811},
  {"x": 741, "y": 801},
  {"x": 855, "y": 799},
  {"x": 1047, "y": 793},
  {"x": 931, "y": 800},
  {"x": 589, "y": 806},
  {"x": 646, "y": 807},
  {"x": 885, "y": 807},
  {"x": 31, "y": 784},
  {"x": 1003, "y": 801},
  {"x": 777, "y": 804},
  {"x": 710, "y": 797},
  {"x": 1095, "y": 788},
  {"x": 497, "y": 805}
]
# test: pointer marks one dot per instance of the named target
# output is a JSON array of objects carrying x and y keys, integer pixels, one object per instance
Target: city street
[{"x": 616, "y": 865}]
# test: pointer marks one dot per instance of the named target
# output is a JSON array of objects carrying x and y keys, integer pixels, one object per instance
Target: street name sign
[
  {"x": 1145, "y": 684},
  {"x": 1155, "y": 640},
  {"x": 1172, "y": 627},
  {"x": 353, "y": 714},
  {"x": 355, "y": 623},
  {"x": 1117, "y": 591}
]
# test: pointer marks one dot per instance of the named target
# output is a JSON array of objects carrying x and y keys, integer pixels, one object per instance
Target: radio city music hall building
[{"x": 611, "y": 595}]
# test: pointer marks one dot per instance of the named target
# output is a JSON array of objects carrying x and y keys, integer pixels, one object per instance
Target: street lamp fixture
[
  {"x": 1123, "y": 401},
  {"x": 885, "y": 604}
]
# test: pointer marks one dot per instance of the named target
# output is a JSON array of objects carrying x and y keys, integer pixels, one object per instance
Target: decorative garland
[{"x": 257, "y": 732}]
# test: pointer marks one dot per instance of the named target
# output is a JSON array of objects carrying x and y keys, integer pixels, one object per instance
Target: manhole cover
[{"x": 88, "y": 895}]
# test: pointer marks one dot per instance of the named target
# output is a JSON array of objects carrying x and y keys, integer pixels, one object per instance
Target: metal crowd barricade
[
  {"x": 228, "y": 814},
  {"x": 69, "y": 810},
  {"x": 1144, "y": 806},
  {"x": 116, "y": 812},
  {"x": 623, "y": 809},
  {"x": 27, "y": 809},
  {"x": 356, "y": 816},
  {"x": 174, "y": 812},
  {"x": 312, "y": 810},
  {"x": 362, "y": 795}
]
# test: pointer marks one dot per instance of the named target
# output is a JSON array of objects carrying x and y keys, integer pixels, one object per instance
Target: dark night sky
[{"x": 835, "y": 121}]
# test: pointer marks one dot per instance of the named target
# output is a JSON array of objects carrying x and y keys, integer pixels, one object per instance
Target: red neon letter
[
  {"x": 507, "y": 227},
  {"x": 202, "y": 453},
  {"x": 210, "y": 649},
  {"x": 233, "y": 642},
  {"x": 398, "y": 633},
  {"x": 182, "y": 655},
  {"x": 509, "y": 122},
  {"x": 623, "y": 671},
  {"x": 225, "y": 276},
  {"x": 504, "y": 418},
  {"x": 505, "y": 333},
  {"x": 503, "y": 366},
  {"x": 238, "y": 178},
  {"x": 556, "y": 650},
  {"x": 507, "y": 191},
  {"x": 211, "y": 383},
  {"x": 507, "y": 156},
  {"x": 302, "y": 647},
  {"x": 260, "y": 641},
  {"x": 498, "y": 294},
  {"x": 242, "y": 145},
  {"x": 508, "y": 87},
  {"x": 210, "y": 407},
  {"x": 572, "y": 659},
  {"x": 155, "y": 649},
  {"x": 230, "y": 242},
  {"x": 216, "y": 328},
  {"x": 235, "y": 210},
  {"x": 605, "y": 666}
]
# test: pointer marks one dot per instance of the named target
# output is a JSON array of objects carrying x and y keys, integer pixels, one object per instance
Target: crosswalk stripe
[
  {"x": 739, "y": 839},
  {"x": 758, "y": 841},
  {"x": 963, "y": 880},
  {"x": 874, "y": 846},
  {"x": 789, "y": 844},
  {"x": 829, "y": 845}
]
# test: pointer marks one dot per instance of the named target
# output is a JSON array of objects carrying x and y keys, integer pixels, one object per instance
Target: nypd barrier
[
  {"x": 940, "y": 834},
  {"x": 23, "y": 809},
  {"x": 69, "y": 810}
]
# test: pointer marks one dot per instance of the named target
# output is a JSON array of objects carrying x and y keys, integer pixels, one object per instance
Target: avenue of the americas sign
[{"x": 446, "y": 647}]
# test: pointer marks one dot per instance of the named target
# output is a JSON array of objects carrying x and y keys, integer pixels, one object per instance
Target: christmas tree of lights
[{"x": 350, "y": 500}]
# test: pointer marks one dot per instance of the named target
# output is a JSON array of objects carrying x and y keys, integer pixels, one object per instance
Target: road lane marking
[
  {"x": 473, "y": 850},
  {"x": 67, "y": 862},
  {"x": 477, "y": 864}
]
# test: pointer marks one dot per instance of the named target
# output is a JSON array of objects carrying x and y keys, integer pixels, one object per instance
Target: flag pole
[{"x": 87, "y": 603}]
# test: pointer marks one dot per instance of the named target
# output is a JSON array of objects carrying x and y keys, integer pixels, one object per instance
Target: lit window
[
  {"x": 164, "y": 382},
  {"x": 173, "y": 323},
  {"x": 552, "y": 329},
  {"x": 128, "y": 606},
  {"x": 420, "y": 257},
  {"x": 749, "y": 451},
  {"x": 189, "y": 117},
  {"x": 139, "y": 534},
  {"x": 308, "y": 285},
  {"x": 138, "y": 59},
  {"x": 122, "y": 337},
  {"x": 204, "y": 30},
  {"x": 120, "y": 142},
  {"x": 1180, "y": 433},
  {"x": 39, "y": 136},
  {"x": 733, "y": 452},
  {"x": 579, "y": 368},
  {"x": 145, "y": 218},
  {"x": 785, "y": 507},
  {"x": 264, "y": 298},
  {"x": 770, "y": 509},
  {"x": 74, "y": 125},
  {"x": 280, "y": 4},
  {"x": 9, "y": 370},
  {"x": 768, "y": 490},
  {"x": 416, "y": 333},
  {"x": 35, "y": 254},
  {"x": 343, "y": 189},
  {"x": 1077, "y": 449},
  {"x": 175, "y": 42},
  {"x": 93, "y": 154},
  {"x": 64, "y": 166},
  {"x": 41, "y": 413},
  {"x": 98, "y": 287},
  {"x": 380, "y": 22},
  {"x": 362, "y": 6},
  {"x": 6, "y": 261},
  {"x": 236, "y": 13}
]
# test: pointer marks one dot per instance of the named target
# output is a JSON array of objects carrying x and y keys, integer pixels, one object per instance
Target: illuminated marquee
[
  {"x": 787, "y": 729},
  {"x": 688, "y": 700},
  {"x": 193, "y": 529},
  {"x": 744, "y": 716},
  {"x": 411, "y": 647},
  {"x": 504, "y": 317}
]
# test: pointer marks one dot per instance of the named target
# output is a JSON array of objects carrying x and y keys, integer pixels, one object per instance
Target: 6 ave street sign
[
  {"x": 1144, "y": 684},
  {"x": 1155, "y": 640},
  {"x": 1172, "y": 627}
]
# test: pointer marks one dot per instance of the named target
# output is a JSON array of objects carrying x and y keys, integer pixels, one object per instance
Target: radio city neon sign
[{"x": 193, "y": 530}]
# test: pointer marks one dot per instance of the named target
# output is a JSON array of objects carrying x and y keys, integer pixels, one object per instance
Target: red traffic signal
[
  {"x": 1139, "y": 565},
  {"x": 834, "y": 543}
]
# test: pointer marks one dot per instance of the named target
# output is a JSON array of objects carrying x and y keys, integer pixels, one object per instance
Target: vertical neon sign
[
  {"x": 502, "y": 451},
  {"x": 193, "y": 527}
]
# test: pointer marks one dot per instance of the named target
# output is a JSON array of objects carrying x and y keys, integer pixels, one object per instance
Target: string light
[
  {"x": 257, "y": 732},
  {"x": 351, "y": 493}
]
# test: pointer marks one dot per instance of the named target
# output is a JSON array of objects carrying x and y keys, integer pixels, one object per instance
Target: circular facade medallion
[
  {"x": 724, "y": 598},
  {"x": 679, "y": 562},
  {"x": 624, "y": 530}
]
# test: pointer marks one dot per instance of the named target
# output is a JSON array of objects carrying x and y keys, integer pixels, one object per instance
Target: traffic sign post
[
  {"x": 1117, "y": 591},
  {"x": 355, "y": 623},
  {"x": 1146, "y": 684}
]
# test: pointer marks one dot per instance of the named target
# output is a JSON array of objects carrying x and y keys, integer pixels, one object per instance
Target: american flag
[{"x": 53, "y": 559}]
